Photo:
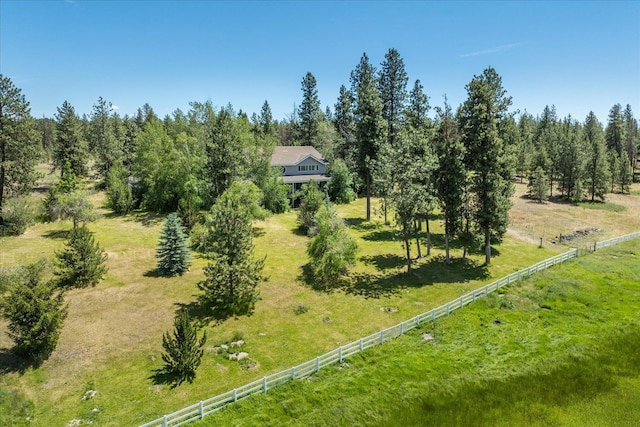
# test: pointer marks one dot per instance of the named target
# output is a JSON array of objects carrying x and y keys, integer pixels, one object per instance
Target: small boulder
[
  {"x": 233, "y": 356},
  {"x": 224, "y": 347},
  {"x": 427, "y": 337},
  {"x": 242, "y": 355}
]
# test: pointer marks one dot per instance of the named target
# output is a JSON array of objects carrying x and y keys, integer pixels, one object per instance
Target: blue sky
[{"x": 580, "y": 56}]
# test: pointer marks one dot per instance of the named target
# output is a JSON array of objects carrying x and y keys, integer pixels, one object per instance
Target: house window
[{"x": 307, "y": 168}]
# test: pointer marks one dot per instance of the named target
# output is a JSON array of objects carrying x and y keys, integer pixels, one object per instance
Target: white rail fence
[{"x": 211, "y": 405}]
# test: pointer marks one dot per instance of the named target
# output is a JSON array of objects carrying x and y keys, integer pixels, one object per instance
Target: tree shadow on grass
[
  {"x": 380, "y": 236},
  {"x": 57, "y": 234},
  {"x": 382, "y": 285},
  {"x": 148, "y": 219},
  {"x": 384, "y": 261},
  {"x": 201, "y": 313},
  {"x": 161, "y": 377},
  {"x": 152, "y": 273},
  {"x": 10, "y": 362}
]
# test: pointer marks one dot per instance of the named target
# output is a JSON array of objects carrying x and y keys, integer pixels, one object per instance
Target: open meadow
[{"x": 111, "y": 340}]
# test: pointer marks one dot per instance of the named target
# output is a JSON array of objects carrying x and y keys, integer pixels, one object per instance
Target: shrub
[
  {"x": 311, "y": 200},
  {"x": 119, "y": 196},
  {"x": 17, "y": 214}
]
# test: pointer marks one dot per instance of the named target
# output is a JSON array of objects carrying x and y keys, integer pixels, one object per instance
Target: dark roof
[{"x": 292, "y": 155}]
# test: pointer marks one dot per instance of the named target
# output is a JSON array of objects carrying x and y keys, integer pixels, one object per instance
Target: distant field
[
  {"x": 560, "y": 349},
  {"x": 111, "y": 341}
]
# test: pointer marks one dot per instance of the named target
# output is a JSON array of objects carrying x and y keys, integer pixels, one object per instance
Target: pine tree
[
  {"x": 480, "y": 116},
  {"x": 173, "y": 253},
  {"x": 416, "y": 112},
  {"x": 82, "y": 262},
  {"x": 309, "y": 112},
  {"x": 632, "y": 136},
  {"x": 392, "y": 84},
  {"x": 538, "y": 187},
  {"x": 344, "y": 122},
  {"x": 183, "y": 350},
  {"x": 370, "y": 125},
  {"x": 614, "y": 168},
  {"x": 265, "y": 120},
  {"x": 19, "y": 144},
  {"x": 230, "y": 287},
  {"x": 106, "y": 148},
  {"x": 450, "y": 174},
  {"x": 35, "y": 313},
  {"x": 332, "y": 249},
  {"x": 597, "y": 167},
  {"x": 614, "y": 133},
  {"x": 70, "y": 144},
  {"x": 625, "y": 174}
]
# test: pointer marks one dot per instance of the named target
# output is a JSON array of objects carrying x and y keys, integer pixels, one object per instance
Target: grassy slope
[
  {"x": 565, "y": 352},
  {"x": 111, "y": 341}
]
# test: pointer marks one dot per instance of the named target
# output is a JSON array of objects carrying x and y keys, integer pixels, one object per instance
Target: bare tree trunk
[
  {"x": 487, "y": 247},
  {"x": 446, "y": 248},
  {"x": 367, "y": 179},
  {"x": 408, "y": 249},
  {"x": 428, "y": 237}
]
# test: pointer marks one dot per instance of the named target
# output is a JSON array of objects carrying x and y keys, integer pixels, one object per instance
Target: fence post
[
  {"x": 293, "y": 373},
  {"x": 164, "y": 421},
  {"x": 361, "y": 347},
  {"x": 235, "y": 395},
  {"x": 417, "y": 321},
  {"x": 339, "y": 354},
  {"x": 264, "y": 384},
  {"x": 448, "y": 309},
  {"x": 433, "y": 315},
  {"x": 461, "y": 302},
  {"x": 381, "y": 337},
  {"x": 201, "y": 410},
  {"x": 317, "y": 364}
]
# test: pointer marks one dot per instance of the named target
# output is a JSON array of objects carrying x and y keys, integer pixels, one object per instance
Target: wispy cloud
[
  {"x": 115, "y": 107},
  {"x": 492, "y": 50}
]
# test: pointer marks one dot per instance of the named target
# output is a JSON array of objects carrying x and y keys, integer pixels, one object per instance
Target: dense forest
[{"x": 382, "y": 138}]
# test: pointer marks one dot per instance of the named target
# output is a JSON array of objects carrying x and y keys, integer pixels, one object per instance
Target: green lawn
[
  {"x": 558, "y": 349},
  {"x": 111, "y": 341}
]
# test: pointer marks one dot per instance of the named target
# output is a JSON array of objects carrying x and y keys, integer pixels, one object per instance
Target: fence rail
[{"x": 209, "y": 406}]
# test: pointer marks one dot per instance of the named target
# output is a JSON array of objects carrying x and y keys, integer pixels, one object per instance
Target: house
[{"x": 300, "y": 165}]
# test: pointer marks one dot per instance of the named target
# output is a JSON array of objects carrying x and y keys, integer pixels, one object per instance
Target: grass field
[
  {"x": 560, "y": 349},
  {"x": 111, "y": 341}
]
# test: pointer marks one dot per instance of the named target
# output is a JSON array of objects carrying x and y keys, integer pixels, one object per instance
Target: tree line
[{"x": 380, "y": 138}]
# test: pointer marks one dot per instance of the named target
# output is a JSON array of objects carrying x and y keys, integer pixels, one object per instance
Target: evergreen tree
[
  {"x": 614, "y": 168},
  {"x": 35, "y": 313},
  {"x": 526, "y": 149},
  {"x": 230, "y": 287},
  {"x": 19, "y": 145},
  {"x": 332, "y": 249},
  {"x": 225, "y": 151},
  {"x": 70, "y": 143},
  {"x": 480, "y": 116},
  {"x": 597, "y": 168},
  {"x": 173, "y": 253},
  {"x": 571, "y": 158},
  {"x": 82, "y": 262},
  {"x": 183, "y": 349},
  {"x": 370, "y": 125},
  {"x": 309, "y": 113},
  {"x": 344, "y": 122},
  {"x": 265, "y": 120},
  {"x": 625, "y": 176},
  {"x": 538, "y": 188},
  {"x": 311, "y": 199},
  {"x": 392, "y": 84},
  {"x": 103, "y": 143},
  {"x": 614, "y": 133},
  {"x": 416, "y": 112},
  {"x": 450, "y": 174},
  {"x": 632, "y": 136}
]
